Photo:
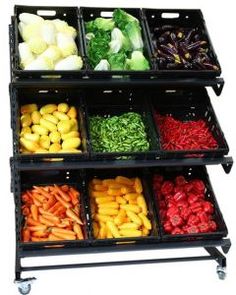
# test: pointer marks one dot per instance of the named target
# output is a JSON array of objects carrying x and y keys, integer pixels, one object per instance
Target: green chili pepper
[{"x": 125, "y": 133}]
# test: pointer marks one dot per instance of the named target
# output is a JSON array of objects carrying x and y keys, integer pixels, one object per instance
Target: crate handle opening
[
  {"x": 170, "y": 15},
  {"x": 106, "y": 13},
  {"x": 46, "y": 12}
]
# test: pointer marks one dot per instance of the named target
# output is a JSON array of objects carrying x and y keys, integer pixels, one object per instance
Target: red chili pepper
[
  {"x": 203, "y": 216},
  {"x": 168, "y": 227},
  {"x": 212, "y": 225},
  {"x": 192, "y": 229},
  {"x": 172, "y": 211},
  {"x": 176, "y": 220},
  {"x": 167, "y": 187},
  {"x": 179, "y": 196},
  {"x": 177, "y": 231},
  {"x": 168, "y": 198},
  {"x": 208, "y": 207},
  {"x": 178, "y": 135},
  {"x": 185, "y": 213},
  {"x": 193, "y": 220},
  {"x": 204, "y": 227}
]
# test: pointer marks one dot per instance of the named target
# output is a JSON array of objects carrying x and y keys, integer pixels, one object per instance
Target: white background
[{"x": 179, "y": 278}]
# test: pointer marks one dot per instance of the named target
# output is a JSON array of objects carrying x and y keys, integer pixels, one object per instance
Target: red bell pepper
[
  {"x": 167, "y": 187},
  {"x": 177, "y": 231},
  {"x": 193, "y": 220},
  {"x": 203, "y": 216},
  {"x": 172, "y": 211},
  {"x": 192, "y": 198},
  {"x": 198, "y": 185},
  {"x": 180, "y": 180},
  {"x": 168, "y": 227},
  {"x": 204, "y": 227},
  {"x": 176, "y": 220},
  {"x": 196, "y": 207},
  {"x": 192, "y": 229},
  {"x": 179, "y": 196},
  {"x": 185, "y": 213}
]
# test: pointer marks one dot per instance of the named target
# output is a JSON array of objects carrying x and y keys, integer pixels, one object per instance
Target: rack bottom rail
[{"x": 24, "y": 285}]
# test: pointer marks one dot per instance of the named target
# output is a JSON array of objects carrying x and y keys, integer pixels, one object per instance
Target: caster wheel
[
  {"x": 221, "y": 272},
  {"x": 24, "y": 289}
]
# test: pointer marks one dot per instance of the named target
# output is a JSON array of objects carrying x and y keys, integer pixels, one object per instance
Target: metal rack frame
[{"x": 84, "y": 81}]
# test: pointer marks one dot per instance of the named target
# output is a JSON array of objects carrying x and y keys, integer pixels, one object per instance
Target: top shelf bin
[
  {"x": 68, "y": 14},
  {"x": 175, "y": 37}
]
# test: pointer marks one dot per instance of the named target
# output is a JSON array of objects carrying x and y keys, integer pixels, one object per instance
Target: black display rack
[{"x": 87, "y": 81}]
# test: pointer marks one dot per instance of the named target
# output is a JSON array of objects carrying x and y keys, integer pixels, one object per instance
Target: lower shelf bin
[
  {"x": 179, "y": 187},
  {"x": 123, "y": 187},
  {"x": 43, "y": 200}
]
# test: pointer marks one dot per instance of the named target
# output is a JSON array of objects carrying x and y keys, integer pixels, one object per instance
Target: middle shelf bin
[{"x": 114, "y": 124}]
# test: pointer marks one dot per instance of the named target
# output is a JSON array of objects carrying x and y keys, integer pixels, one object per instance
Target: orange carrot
[
  {"x": 30, "y": 221},
  {"x": 52, "y": 237},
  {"x": 26, "y": 198},
  {"x": 63, "y": 202},
  {"x": 64, "y": 196},
  {"x": 26, "y": 235},
  {"x": 78, "y": 231},
  {"x": 37, "y": 227},
  {"x": 76, "y": 209},
  {"x": 75, "y": 192},
  {"x": 34, "y": 211},
  {"x": 65, "y": 188},
  {"x": 74, "y": 199},
  {"x": 40, "y": 234},
  {"x": 25, "y": 211},
  {"x": 36, "y": 202},
  {"x": 38, "y": 197},
  {"x": 70, "y": 213},
  {"x": 45, "y": 221},
  {"x": 53, "y": 219},
  {"x": 51, "y": 201},
  {"x": 36, "y": 239},
  {"x": 41, "y": 191},
  {"x": 65, "y": 236},
  {"x": 56, "y": 230},
  {"x": 59, "y": 211},
  {"x": 54, "y": 207}
]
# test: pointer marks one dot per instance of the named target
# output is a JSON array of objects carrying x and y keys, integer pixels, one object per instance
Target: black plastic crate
[
  {"x": 42, "y": 96},
  {"x": 107, "y": 102},
  {"x": 189, "y": 105},
  {"x": 68, "y": 14},
  {"x": 195, "y": 172},
  {"x": 129, "y": 172},
  {"x": 28, "y": 179},
  {"x": 91, "y": 13},
  {"x": 186, "y": 18}
]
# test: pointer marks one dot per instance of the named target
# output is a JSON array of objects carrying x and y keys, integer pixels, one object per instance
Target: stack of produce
[
  {"x": 50, "y": 129},
  {"x": 184, "y": 135},
  {"x": 124, "y": 133},
  {"x": 183, "y": 205},
  {"x": 48, "y": 44},
  {"x": 182, "y": 49},
  {"x": 118, "y": 208},
  {"x": 116, "y": 43},
  {"x": 51, "y": 213}
]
